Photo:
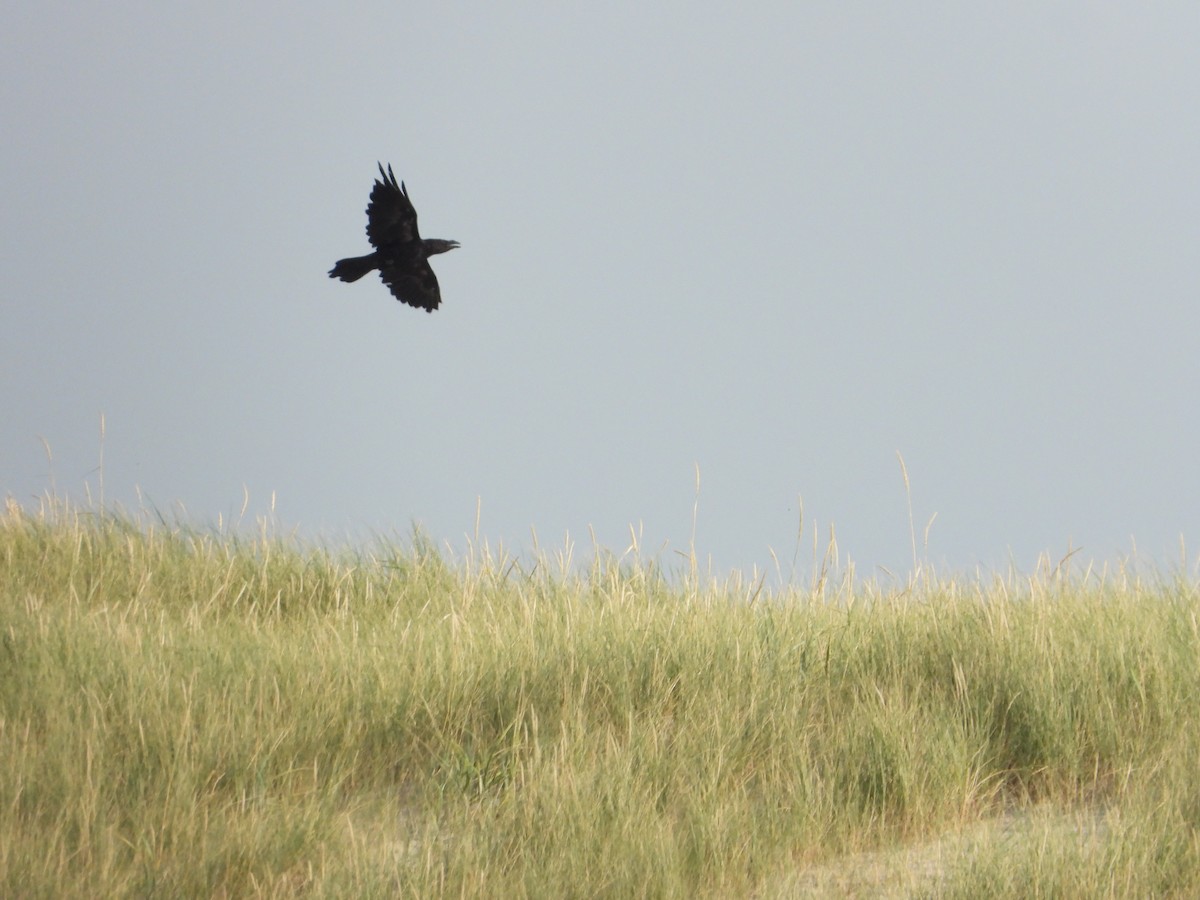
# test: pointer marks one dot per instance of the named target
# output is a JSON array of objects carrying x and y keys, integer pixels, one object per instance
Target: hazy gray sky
[{"x": 781, "y": 242}]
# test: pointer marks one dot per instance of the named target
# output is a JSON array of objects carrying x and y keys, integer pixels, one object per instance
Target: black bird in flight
[{"x": 401, "y": 256}]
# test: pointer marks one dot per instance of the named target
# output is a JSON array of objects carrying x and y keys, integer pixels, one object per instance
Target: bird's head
[{"x": 435, "y": 245}]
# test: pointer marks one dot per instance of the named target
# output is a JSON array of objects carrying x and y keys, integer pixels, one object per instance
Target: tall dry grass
[{"x": 186, "y": 713}]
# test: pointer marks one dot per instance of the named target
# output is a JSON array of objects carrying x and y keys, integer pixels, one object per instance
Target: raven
[{"x": 401, "y": 256}]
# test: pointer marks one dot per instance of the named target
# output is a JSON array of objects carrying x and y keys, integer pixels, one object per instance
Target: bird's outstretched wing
[
  {"x": 415, "y": 285},
  {"x": 391, "y": 219}
]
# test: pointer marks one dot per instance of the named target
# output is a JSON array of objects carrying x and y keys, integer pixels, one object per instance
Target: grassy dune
[{"x": 186, "y": 714}]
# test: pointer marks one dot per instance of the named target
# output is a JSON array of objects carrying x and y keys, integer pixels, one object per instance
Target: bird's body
[{"x": 401, "y": 255}]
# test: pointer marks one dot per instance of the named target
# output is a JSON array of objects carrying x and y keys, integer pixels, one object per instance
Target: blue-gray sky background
[{"x": 780, "y": 242}]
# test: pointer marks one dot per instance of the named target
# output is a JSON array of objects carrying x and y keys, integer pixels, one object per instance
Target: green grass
[{"x": 187, "y": 714}]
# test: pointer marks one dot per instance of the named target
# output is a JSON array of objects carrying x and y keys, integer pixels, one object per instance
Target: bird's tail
[{"x": 353, "y": 268}]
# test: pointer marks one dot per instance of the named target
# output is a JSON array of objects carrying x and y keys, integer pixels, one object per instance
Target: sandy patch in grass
[{"x": 920, "y": 868}]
